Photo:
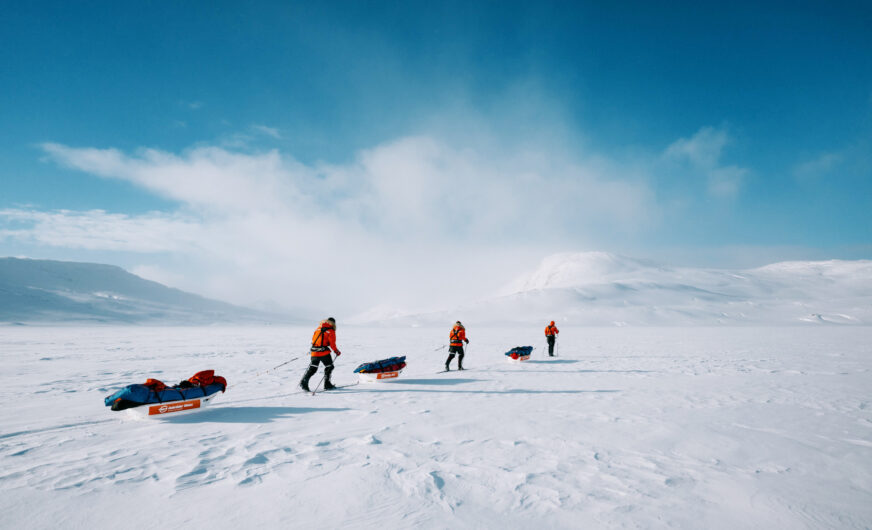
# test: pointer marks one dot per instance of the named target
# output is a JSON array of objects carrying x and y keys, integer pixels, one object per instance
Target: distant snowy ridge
[
  {"x": 598, "y": 288},
  {"x": 33, "y": 291},
  {"x": 576, "y": 269}
]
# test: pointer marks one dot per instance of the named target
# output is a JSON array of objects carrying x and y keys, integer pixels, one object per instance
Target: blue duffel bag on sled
[
  {"x": 519, "y": 353},
  {"x": 188, "y": 395},
  {"x": 384, "y": 369}
]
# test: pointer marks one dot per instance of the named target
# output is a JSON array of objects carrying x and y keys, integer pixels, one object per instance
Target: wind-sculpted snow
[{"x": 627, "y": 427}]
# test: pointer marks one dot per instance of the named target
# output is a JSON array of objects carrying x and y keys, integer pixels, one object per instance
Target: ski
[{"x": 337, "y": 387}]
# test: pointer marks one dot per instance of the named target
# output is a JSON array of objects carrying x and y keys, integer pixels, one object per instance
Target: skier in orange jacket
[
  {"x": 457, "y": 338},
  {"x": 551, "y": 332},
  {"x": 323, "y": 341}
]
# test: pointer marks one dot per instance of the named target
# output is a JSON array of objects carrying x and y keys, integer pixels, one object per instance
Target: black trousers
[
  {"x": 452, "y": 350},
  {"x": 326, "y": 360},
  {"x": 551, "y": 340}
]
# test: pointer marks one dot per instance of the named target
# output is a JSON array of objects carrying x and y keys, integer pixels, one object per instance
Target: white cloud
[
  {"x": 99, "y": 230},
  {"x": 726, "y": 181},
  {"x": 701, "y": 154},
  {"x": 207, "y": 177},
  {"x": 818, "y": 167},
  {"x": 702, "y": 149},
  {"x": 413, "y": 183},
  {"x": 422, "y": 186},
  {"x": 410, "y": 220},
  {"x": 268, "y": 131}
]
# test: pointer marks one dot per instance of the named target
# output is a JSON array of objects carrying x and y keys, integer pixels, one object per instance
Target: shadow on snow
[
  {"x": 521, "y": 371},
  {"x": 438, "y": 382},
  {"x": 511, "y": 391},
  {"x": 552, "y": 361},
  {"x": 247, "y": 414}
]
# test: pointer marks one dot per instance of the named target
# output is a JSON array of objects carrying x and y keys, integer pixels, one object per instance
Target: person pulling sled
[
  {"x": 457, "y": 338},
  {"x": 551, "y": 332},
  {"x": 323, "y": 341}
]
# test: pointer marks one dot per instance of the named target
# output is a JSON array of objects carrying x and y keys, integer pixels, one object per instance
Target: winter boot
[
  {"x": 448, "y": 362},
  {"x": 460, "y": 362},
  {"x": 328, "y": 385},
  {"x": 304, "y": 382}
]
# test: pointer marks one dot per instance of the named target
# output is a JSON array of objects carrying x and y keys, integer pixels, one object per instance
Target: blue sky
[{"x": 410, "y": 133}]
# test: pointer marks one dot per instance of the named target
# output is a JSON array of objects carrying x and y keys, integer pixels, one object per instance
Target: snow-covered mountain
[
  {"x": 59, "y": 291},
  {"x": 599, "y": 288}
]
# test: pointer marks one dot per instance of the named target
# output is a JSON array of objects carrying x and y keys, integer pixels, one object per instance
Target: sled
[
  {"x": 372, "y": 377},
  {"x": 155, "y": 399},
  {"x": 519, "y": 353},
  {"x": 171, "y": 408},
  {"x": 384, "y": 369}
]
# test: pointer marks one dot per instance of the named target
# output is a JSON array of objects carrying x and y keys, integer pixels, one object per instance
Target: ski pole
[
  {"x": 258, "y": 374},
  {"x": 319, "y": 384},
  {"x": 440, "y": 347},
  {"x": 279, "y": 366}
]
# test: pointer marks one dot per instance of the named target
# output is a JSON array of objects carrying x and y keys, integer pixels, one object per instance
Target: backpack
[
  {"x": 204, "y": 378},
  {"x": 155, "y": 385}
]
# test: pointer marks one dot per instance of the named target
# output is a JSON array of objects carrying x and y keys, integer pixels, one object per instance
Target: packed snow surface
[{"x": 627, "y": 427}]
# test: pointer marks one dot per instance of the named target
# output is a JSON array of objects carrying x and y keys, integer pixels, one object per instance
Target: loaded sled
[
  {"x": 155, "y": 399},
  {"x": 390, "y": 368},
  {"x": 519, "y": 353}
]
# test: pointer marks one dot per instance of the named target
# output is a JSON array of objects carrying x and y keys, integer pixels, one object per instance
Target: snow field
[{"x": 629, "y": 427}]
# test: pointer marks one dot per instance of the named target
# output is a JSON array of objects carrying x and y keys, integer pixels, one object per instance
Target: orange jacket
[
  {"x": 551, "y": 330},
  {"x": 324, "y": 340},
  {"x": 457, "y": 335}
]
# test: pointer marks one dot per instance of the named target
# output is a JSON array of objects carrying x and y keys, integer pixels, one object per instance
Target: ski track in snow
[{"x": 628, "y": 427}]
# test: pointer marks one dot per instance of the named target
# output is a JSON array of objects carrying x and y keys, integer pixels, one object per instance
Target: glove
[
  {"x": 338, "y": 353},
  {"x": 466, "y": 341}
]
